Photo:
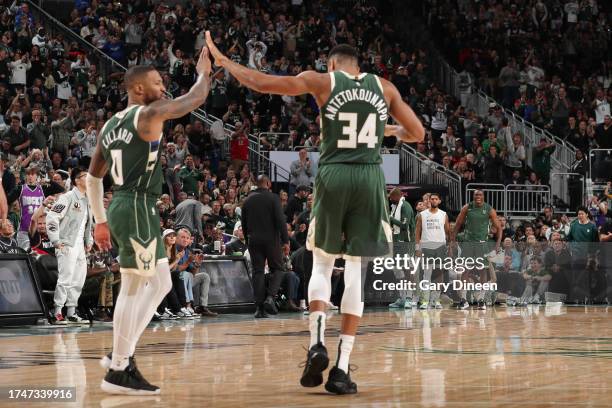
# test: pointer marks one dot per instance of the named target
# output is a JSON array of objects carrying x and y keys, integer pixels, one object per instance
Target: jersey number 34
[{"x": 367, "y": 134}]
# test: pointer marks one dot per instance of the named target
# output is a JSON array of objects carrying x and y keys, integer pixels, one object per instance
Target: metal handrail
[
  {"x": 448, "y": 77},
  {"x": 491, "y": 192},
  {"x": 560, "y": 188},
  {"x": 419, "y": 169},
  {"x": 515, "y": 198},
  {"x": 50, "y": 19},
  {"x": 198, "y": 113}
]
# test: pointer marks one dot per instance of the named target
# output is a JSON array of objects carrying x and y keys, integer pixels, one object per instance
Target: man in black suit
[{"x": 264, "y": 227}]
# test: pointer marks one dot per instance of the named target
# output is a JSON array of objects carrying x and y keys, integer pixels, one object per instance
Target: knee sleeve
[
  {"x": 319, "y": 287},
  {"x": 352, "y": 299}
]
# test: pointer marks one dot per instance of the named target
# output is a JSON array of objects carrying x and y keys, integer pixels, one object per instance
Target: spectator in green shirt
[
  {"x": 541, "y": 159},
  {"x": 583, "y": 233},
  {"x": 189, "y": 176},
  {"x": 492, "y": 140}
]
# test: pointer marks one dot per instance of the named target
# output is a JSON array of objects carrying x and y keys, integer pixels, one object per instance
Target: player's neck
[
  {"x": 433, "y": 210},
  {"x": 351, "y": 70},
  {"x": 134, "y": 101}
]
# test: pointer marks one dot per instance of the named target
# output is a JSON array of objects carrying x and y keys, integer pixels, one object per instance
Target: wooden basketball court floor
[{"x": 502, "y": 357}]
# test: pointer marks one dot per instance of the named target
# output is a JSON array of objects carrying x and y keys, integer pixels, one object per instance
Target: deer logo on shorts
[
  {"x": 146, "y": 260},
  {"x": 144, "y": 255}
]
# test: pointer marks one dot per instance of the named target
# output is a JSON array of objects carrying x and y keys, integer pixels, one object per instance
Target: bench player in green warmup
[
  {"x": 349, "y": 194},
  {"x": 129, "y": 146}
]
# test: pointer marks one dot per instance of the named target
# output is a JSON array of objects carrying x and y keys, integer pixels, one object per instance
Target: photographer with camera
[
  {"x": 301, "y": 172},
  {"x": 19, "y": 68}
]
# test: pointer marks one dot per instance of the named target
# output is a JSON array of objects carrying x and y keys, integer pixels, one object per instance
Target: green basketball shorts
[
  {"x": 134, "y": 224},
  {"x": 349, "y": 213}
]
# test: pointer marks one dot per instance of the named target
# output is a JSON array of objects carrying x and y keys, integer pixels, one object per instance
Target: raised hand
[
  {"x": 204, "y": 66},
  {"x": 220, "y": 59}
]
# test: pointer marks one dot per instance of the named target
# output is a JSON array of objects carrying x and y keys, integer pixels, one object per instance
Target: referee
[{"x": 265, "y": 230}]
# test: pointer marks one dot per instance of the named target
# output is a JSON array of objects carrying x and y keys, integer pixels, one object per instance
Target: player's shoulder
[{"x": 314, "y": 77}]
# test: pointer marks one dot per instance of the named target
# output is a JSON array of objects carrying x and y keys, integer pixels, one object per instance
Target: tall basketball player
[
  {"x": 476, "y": 218},
  {"x": 349, "y": 193},
  {"x": 129, "y": 145},
  {"x": 432, "y": 230}
]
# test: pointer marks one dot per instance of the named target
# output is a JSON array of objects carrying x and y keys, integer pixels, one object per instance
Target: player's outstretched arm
[
  {"x": 410, "y": 129},
  {"x": 152, "y": 116},
  {"x": 306, "y": 82}
]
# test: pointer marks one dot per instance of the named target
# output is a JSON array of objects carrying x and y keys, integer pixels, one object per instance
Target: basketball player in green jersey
[
  {"x": 129, "y": 145},
  {"x": 477, "y": 216},
  {"x": 349, "y": 216}
]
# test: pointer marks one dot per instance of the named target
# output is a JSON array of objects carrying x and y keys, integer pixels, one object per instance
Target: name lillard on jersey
[
  {"x": 123, "y": 134},
  {"x": 363, "y": 95}
]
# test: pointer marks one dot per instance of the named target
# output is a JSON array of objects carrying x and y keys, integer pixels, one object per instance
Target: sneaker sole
[
  {"x": 318, "y": 364},
  {"x": 334, "y": 389},
  {"x": 119, "y": 390}
]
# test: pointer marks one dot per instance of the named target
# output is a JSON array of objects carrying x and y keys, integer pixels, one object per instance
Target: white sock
[
  {"x": 125, "y": 319},
  {"x": 70, "y": 311},
  {"x": 345, "y": 346},
  {"x": 317, "y": 328},
  {"x": 58, "y": 309}
]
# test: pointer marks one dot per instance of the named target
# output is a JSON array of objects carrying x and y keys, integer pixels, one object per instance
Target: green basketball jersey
[
  {"x": 477, "y": 222},
  {"x": 133, "y": 162},
  {"x": 353, "y": 120}
]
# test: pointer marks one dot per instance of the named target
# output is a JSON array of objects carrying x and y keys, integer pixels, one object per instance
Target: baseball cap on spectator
[{"x": 168, "y": 232}]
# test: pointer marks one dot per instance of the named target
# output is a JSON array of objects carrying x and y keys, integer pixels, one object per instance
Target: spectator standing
[
  {"x": 301, "y": 171},
  {"x": 38, "y": 131},
  {"x": 541, "y": 160},
  {"x": 582, "y": 234},
  {"x": 189, "y": 214},
  {"x": 189, "y": 176},
  {"x": 601, "y": 106},
  {"x": 69, "y": 228},
  {"x": 19, "y": 69},
  {"x": 515, "y": 154},
  {"x": 265, "y": 229},
  {"x": 86, "y": 139},
  {"x": 239, "y": 146},
  {"x": 15, "y": 139}
]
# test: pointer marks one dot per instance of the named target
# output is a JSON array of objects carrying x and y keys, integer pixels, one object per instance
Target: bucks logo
[{"x": 145, "y": 256}]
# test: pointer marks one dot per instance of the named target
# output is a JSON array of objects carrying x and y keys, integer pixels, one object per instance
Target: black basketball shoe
[
  {"x": 128, "y": 382},
  {"x": 316, "y": 362},
  {"x": 340, "y": 382}
]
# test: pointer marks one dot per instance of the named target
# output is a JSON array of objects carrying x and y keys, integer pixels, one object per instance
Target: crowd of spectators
[
  {"x": 54, "y": 102},
  {"x": 549, "y": 61}
]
